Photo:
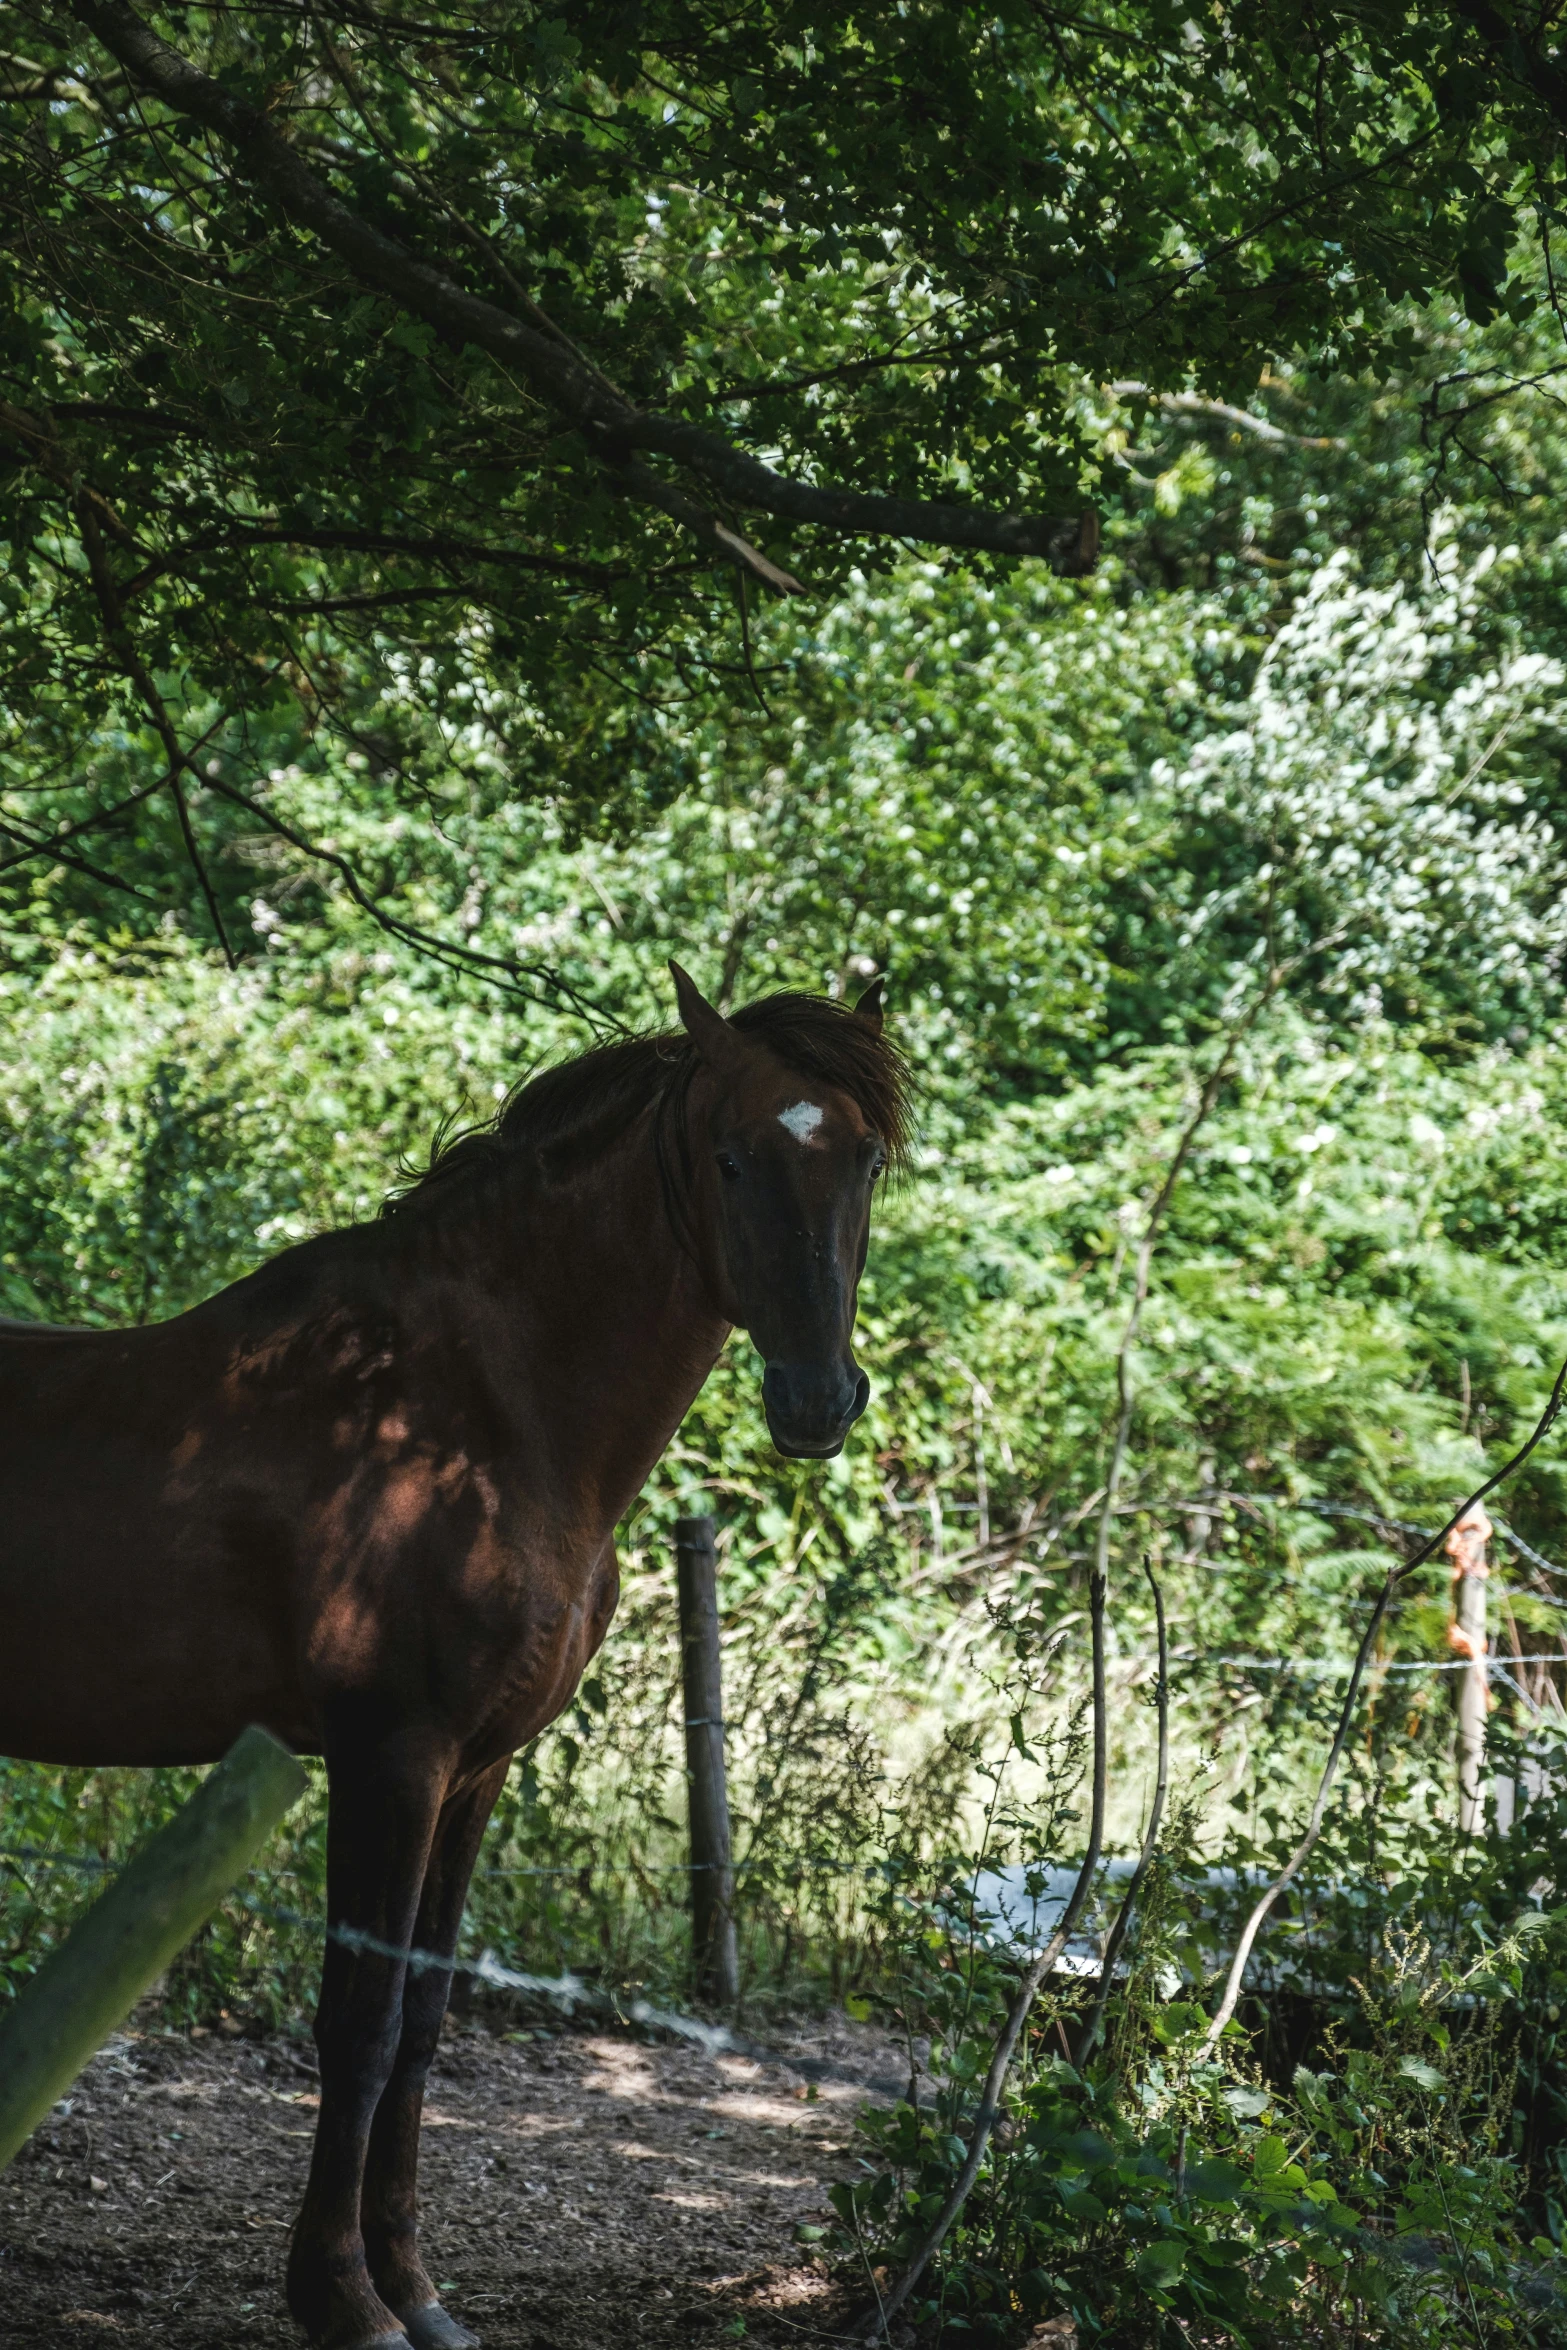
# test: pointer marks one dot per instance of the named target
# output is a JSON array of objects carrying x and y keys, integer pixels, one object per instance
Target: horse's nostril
[{"x": 810, "y": 1408}]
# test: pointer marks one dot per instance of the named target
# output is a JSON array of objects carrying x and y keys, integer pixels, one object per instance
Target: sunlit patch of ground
[{"x": 581, "y": 2193}]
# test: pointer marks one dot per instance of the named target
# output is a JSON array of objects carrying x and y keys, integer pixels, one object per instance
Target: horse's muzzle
[{"x": 810, "y": 1411}]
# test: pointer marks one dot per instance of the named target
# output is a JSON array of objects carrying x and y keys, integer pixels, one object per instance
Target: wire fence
[
  {"x": 570, "y": 1992},
  {"x": 1497, "y": 1666},
  {"x": 488, "y": 1969},
  {"x": 1210, "y": 1504},
  {"x": 566, "y": 1991}
]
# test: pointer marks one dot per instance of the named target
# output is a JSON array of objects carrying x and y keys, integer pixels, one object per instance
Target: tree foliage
[{"x": 501, "y": 351}]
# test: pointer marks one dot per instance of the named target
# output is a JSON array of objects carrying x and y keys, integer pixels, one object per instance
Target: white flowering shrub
[{"x": 1382, "y": 803}]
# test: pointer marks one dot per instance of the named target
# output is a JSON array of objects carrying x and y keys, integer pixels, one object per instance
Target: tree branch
[
  {"x": 111, "y": 607},
  {"x": 43, "y": 448},
  {"x": 1123, "y": 1916},
  {"x": 1394, "y": 1577},
  {"x": 140, "y": 419},
  {"x": 438, "y": 548},
  {"x": 441, "y": 950},
  {"x": 48, "y": 84},
  {"x": 145, "y": 791},
  {"x": 193, "y": 851},
  {"x": 59, "y": 856},
  {"x": 181, "y": 761},
  {"x": 1027, "y": 1991},
  {"x": 1193, "y": 404},
  {"x": 1518, "y": 55},
  {"x": 612, "y": 425}
]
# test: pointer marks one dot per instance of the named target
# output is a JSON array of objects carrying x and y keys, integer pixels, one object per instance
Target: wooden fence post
[
  {"x": 715, "y": 1963},
  {"x": 1466, "y": 1633},
  {"x": 66, "y": 2011}
]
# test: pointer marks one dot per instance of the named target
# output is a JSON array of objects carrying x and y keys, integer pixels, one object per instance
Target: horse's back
[{"x": 43, "y": 1365}]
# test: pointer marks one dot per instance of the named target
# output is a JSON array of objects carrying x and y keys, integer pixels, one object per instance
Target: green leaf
[
  {"x": 1215, "y": 2180},
  {"x": 1179, "y": 2020},
  {"x": 1247, "y": 2104},
  {"x": 1161, "y": 2263}
]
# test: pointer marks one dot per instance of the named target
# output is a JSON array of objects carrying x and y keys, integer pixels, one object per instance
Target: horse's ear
[
  {"x": 868, "y": 1008},
  {"x": 718, "y": 1044}
]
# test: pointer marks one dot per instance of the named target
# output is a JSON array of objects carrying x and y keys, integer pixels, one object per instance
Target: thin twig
[
  {"x": 1017, "y": 2014},
  {"x": 12, "y": 831},
  {"x": 1394, "y": 1577},
  {"x": 111, "y": 608},
  {"x": 441, "y": 950},
  {"x": 1166, "y": 1192},
  {"x": 1459, "y": 2248},
  {"x": 1123, "y": 1917},
  {"x": 745, "y": 640},
  {"x": 192, "y": 851},
  {"x": 143, "y": 791},
  {"x": 1027, "y": 1991},
  {"x": 456, "y": 957}
]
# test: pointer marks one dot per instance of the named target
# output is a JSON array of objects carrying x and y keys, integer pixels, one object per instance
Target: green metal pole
[{"x": 94, "y": 1979}]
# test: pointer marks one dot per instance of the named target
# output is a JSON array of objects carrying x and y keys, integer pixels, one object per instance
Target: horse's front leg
[
  {"x": 390, "y": 2212},
  {"x": 386, "y": 1795}
]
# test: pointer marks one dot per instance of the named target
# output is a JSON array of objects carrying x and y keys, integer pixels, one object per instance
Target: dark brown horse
[{"x": 367, "y": 1497}]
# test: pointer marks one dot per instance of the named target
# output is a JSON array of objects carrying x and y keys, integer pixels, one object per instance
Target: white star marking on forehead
[{"x": 802, "y": 1121}]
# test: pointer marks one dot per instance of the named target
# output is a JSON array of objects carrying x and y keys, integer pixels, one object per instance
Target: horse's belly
[{"x": 94, "y": 1687}]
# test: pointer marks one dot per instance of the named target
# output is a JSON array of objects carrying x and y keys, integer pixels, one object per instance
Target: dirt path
[{"x": 580, "y": 2193}]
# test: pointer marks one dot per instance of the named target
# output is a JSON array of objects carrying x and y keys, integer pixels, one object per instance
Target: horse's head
[{"x": 795, "y": 1109}]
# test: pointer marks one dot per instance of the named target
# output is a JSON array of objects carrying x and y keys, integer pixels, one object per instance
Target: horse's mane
[{"x": 581, "y": 1105}]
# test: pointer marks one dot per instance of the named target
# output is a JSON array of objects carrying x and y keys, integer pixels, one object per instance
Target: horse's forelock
[
  {"x": 601, "y": 1091},
  {"x": 829, "y": 1041}
]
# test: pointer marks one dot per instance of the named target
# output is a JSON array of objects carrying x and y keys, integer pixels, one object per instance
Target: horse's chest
[
  {"x": 479, "y": 1620},
  {"x": 454, "y": 1577},
  {"x": 522, "y": 1662}
]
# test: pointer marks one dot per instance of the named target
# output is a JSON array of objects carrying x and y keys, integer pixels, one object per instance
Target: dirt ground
[{"x": 580, "y": 2192}]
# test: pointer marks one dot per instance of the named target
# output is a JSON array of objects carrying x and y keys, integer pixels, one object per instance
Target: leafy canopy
[{"x": 493, "y": 348}]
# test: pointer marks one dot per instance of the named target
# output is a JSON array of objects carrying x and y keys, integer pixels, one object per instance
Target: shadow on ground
[{"x": 580, "y": 2193}]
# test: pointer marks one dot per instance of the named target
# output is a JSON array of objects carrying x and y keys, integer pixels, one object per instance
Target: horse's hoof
[{"x": 435, "y": 2328}]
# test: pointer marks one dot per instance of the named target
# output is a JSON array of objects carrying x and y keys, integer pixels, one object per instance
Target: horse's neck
[{"x": 602, "y": 1312}]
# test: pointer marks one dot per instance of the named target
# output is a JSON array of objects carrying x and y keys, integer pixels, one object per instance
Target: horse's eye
[
  {"x": 878, "y": 1167},
  {"x": 729, "y": 1167}
]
